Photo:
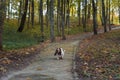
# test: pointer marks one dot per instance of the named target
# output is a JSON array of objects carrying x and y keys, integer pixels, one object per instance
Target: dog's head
[{"x": 57, "y": 51}]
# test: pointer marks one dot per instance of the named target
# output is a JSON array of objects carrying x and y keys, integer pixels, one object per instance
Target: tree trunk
[
  {"x": 62, "y": 21},
  {"x": 22, "y": 24},
  {"x": 84, "y": 15},
  {"x": 32, "y": 13},
  {"x": 94, "y": 17},
  {"x": 109, "y": 16},
  {"x": 28, "y": 25},
  {"x": 20, "y": 11},
  {"x": 52, "y": 21},
  {"x": 79, "y": 8},
  {"x": 89, "y": 11},
  {"x": 8, "y": 14},
  {"x": 58, "y": 17},
  {"x": 68, "y": 16},
  {"x": 103, "y": 16},
  {"x": 41, "y": 20},
  {"x": 47, "y": 14},
  {"x": 2, "y": 17},
  {"x": 112, "y": 16}
]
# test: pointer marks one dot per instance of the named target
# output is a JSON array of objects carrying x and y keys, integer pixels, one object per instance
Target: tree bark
[
  {"x": 103, "y": 16},
  {"x": 41, "y": 20},
  {"x": 47, "y": 14},
  {"x": 94, "y": 17},
  {"x": 79, "y": 8},
  {"x": 2, "y": 17},
  {"x": 58, "y": 17},
  {"x": 28, "y": 25},
  {"x": 52, "y": 21},
  {"x": 62, "y": 21},
  {"x": 109, "y": 16},
  {"x": 22, "y": 24},
  {"x": 32, "y": 13},
  {"x": 20, "y": 11}
]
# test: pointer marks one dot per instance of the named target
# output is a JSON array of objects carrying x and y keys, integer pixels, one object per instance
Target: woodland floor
[
  {"x": 98, "y": 57},
  {"x": 38, "y": 62}
]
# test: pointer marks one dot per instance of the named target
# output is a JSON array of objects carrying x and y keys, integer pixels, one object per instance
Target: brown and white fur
[{"x": 59, "y": 53}]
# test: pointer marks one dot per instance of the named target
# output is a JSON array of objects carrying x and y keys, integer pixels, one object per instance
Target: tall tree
[
  {"x": 103, "y": 15},
  {"x": 68, "y": 16},
  {"x": 89, "y": 10},
  {"x": 52, "y": 37},
  {"x": 79, "y": 10},
  {"x": 58, "y": 17},
  {"x": 8, "y": 12},
  {"x": 62, "y": 20},
  {"x": 47, "y": 13},
  {"x": 22, "y": 24},
  {"x": 41, "y": 20},
  {"x": 119, "y": 9},
  {"x": 20, "y": 10},
  {"x": 32, "y": 13},
  {"x": 94, "y": 17},
  {"x": 109, "y": 15},
  {"x": 29, "y": 7},
  {"x": 84, "y": 14},
  {"x": 2, "y": 17}
]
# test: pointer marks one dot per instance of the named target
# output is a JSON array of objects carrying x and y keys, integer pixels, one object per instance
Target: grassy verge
[{"x": 99, "y": 57}]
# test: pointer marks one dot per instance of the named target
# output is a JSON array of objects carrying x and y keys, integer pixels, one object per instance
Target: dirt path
[{"x": 46, "y": 67}]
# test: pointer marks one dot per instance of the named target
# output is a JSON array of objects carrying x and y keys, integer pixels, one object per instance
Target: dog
[{"x": 59, "y": 52}]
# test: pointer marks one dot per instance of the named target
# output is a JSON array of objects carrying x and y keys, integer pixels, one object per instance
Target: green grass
[{"x": 14, "y": 40}]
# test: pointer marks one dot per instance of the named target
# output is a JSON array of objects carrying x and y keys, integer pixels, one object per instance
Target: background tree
[
  {"x": 32, "y": 13},
  {"x": 62, "y": 20},
  {"x": 52, "y": 37},
  {"x": 103, "y": 15},
  {"x": 22, "y": 24},
  {"x": 94, "y": 16},
  {"x": 2, "y": 17},
  {"x": 41, "y": 20}
]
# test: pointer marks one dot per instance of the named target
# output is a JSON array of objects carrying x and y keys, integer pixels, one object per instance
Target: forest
[{"x": 28, "y": 26}]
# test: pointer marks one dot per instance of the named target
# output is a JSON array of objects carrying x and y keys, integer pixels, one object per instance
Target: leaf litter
[{"x": 98, "y": 57}]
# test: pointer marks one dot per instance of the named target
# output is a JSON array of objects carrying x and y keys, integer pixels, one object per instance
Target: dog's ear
[{"x": 56, "y": 52}]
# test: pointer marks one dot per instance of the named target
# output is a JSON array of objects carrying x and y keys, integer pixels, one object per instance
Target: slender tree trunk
[
  {"x": 22, "y": 24},
  {"x": 2, "y": 17},
  {"x": 41, "y": 20},
  {"x": 89, "y": 11},
  {"x": 68, "y": 16},
  {"x": 28, "y": 25},
  {"x": 52, "y": 21},
  {"x": 8, "y": 14},
  {"x": 112, "y": 16},
  {"x": 32, "y": 13},
  {"x": 109, "y": 16},
  {"x": 47, "y": 14},
  {"x": 64, "y": 10},
  {"x": 20, "y": 11},
  {"x": 62, "y": 21},
  {"x": 119, "y": 10},
  {"x": 58, "y": 17},
  {"x": 94, "y": 17},
  {"x": 84, "y": 15},
  {"x": 79, "y": 8},
  {"x": 103, "y": 16}
]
